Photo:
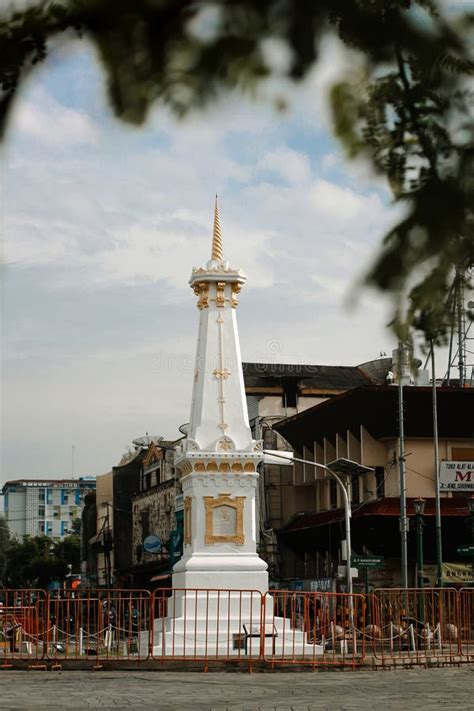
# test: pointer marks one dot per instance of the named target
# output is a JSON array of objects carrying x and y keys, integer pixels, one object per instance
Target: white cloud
[
  {"x": 51, "y": 124},
  {"x": 290, "y": 166},
  {"x": 127, "y": 222}
]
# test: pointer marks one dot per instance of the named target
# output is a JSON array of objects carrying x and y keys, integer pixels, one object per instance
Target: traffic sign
[
  {"x": 367, "y": 561},
  {"x": 466, "y": 550}
]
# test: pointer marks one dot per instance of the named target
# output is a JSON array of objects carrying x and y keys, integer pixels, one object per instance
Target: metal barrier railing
[
  {"x": 466, "y": 623},
  {"x": 22, "y": 616},
  {"x": 98, "y": 625},
  {"x": 412, "y": 626},
  {"x": 206, "y": 625},
  {"x": 313, "y": 628}
]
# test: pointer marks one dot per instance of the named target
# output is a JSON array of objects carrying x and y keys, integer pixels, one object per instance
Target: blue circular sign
[{"x": 152, "y": 544}]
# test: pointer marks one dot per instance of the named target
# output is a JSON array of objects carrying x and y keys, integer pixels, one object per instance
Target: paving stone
[{"x": 420, "y": 689}]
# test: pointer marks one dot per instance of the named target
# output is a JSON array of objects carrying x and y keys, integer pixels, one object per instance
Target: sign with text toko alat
[{"x": 456, "y": 476}]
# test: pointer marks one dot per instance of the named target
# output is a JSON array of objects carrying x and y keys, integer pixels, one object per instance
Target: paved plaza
[{"x": 450, "y": 688}]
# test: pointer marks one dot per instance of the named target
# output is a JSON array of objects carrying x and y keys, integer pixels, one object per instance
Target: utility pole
[
  {"x": 439, "y": 540},
  {"x": 402, "y": 471},
  {"x": 108, "y": 577},
  {"x": 461, "y": 328}
]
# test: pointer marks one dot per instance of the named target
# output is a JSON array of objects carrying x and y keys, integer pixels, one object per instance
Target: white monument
[
  {"x": 218, "y": 459},
  {"x": 212, "y": 602}
]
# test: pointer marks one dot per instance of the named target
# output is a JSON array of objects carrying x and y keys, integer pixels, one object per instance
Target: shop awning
[{"x": 382, "y": 507}]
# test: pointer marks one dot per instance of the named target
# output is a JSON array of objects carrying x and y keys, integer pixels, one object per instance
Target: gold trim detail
[
  {"x": 237, "y": 467},
  {"x": 224, "y": 374},
  {"x": 188, "y": 534},
  {"x": 212, "y": 466},
  {"x": 236, "y": 289},
  {"x": 199, "y": 467},
  {"x": 220, "y": 294},
  {"x": 249, "y": 467},
  {"x": 201, "y": 289},
  {"x": 210, "y": 504},
  {"x": 224, "y": 467}
]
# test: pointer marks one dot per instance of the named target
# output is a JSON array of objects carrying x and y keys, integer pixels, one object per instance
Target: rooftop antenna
[
  {"x": 72, "y": 462},
  {"x": 460, "y": 329}
]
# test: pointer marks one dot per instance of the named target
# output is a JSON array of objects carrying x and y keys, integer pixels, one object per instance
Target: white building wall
[{"x": 15, "y": 515}]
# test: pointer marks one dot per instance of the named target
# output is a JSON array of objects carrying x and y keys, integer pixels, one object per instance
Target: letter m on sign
[{"x": 463, "y": 476}]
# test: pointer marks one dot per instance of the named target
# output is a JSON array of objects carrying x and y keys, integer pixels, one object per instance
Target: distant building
[
  {"x": 135, "y": 500},
  {"x": 44, "y": 507}
]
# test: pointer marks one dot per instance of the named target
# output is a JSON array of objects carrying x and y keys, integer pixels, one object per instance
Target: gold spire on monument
[{"x": 216, "y": 253}]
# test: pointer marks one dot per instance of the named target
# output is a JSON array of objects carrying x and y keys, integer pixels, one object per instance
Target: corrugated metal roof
[{"x": 308, "y": 376}]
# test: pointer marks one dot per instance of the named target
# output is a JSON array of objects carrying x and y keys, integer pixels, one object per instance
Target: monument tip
[{"x": 216, "y": 252}]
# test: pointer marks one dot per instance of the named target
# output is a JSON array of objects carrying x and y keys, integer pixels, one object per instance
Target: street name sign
[
  {"x": 466, "y": 550},
  {"x": 367, "y": 561}
]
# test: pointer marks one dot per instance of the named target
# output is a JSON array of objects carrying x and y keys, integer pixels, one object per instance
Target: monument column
[{"x": 217, "y": 460}]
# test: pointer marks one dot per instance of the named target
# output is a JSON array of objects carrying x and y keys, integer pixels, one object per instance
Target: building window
[
  {"x": 332, "y": 493},
  {"x": 49, "y": 496},
  {"x": 41, "y": 511},
  {"x": 269, "y": 438},
  {"x": 145, "y": 523},
  {"x": 49, "y": 528},
  {"x": 63, "y": 528},
  {"x": 41, "y": 526},
  {"x": 64, "y": 497},
  {"x": 355, "y": 490},
  {"x": 41, "y": 495},
  {"x": 379, "y": 481}
]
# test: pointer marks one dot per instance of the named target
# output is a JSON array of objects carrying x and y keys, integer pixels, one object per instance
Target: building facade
[
  {"x": 157, "y": 517},
  {"x": 274, "y": 392},
  {"x": 362, "y": 426},
  {"x": 44, "y": 507}
]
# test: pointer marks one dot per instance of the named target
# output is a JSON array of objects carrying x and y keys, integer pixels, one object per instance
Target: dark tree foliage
[
  {"x": 37, "y": 560},
  {"x": 4, "y": 542},
  {"x": 407, "y": 107}
]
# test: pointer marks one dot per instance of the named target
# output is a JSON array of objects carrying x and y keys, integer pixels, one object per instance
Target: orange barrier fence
[
  {"x": 466, "y": 623},
  {"x": 412, "y": 626},
  {"x": 206, "y": 625},
  {"x": 99, "y": 625},
  {"x": 314, "y": 628},
  {"x": 22, "y": 625}
]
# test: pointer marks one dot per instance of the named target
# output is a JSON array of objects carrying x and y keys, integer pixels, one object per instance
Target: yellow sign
[
  {"x": 457, "y": 573},
  {"x": 452, "y": 573}
]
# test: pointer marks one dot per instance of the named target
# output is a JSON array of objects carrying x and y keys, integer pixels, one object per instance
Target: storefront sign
[
  {"x": 456, "y": 476},
  {"x": 452, "y": 574},
  {"x": 321, "y": 585},
  {"x": 152, "y": 544}
]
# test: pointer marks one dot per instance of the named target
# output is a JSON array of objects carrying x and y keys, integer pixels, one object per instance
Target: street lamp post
[
  {"x": 346, "y": 464},
  {"x": 470, "y": 506},
  {"x": 419, "y": 505}
]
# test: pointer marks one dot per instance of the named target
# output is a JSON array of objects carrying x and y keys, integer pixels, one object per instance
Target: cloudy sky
[{"x": 103, "y": 224}]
